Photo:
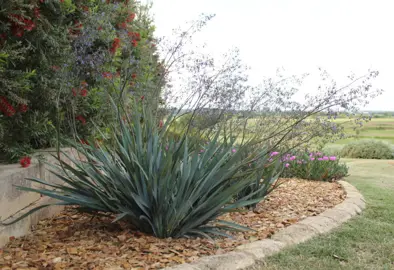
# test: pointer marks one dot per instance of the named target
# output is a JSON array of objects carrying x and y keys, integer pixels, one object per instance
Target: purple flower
[
  {"x": 325, "y": 158},
  {"x": 293, "y": 158},
  {"x": 312, "y": 158},
  {"x": 287, "y": 165},
  {"x": 234, "y": 150},
  {"x": 274, "y": 154},
  {"x": 333, "y": 158},
  {"x": 270, "y": 160},
  {"x": 202, "y": 151}
]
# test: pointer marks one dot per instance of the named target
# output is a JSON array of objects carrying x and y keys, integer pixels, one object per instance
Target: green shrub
[
  {"x": 333, "y": 149},
  {"x": 157, "y": 183},
  {"x": 368, "y": 149},
  {"x": 313, "y": 166}
]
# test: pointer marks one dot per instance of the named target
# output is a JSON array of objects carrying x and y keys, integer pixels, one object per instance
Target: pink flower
[
  {"x": 333, "y": 158},
  {"x": 234, "y": 150},
  {"x": 293, "y": 158},
  {"x": 312, "y": 158},
  {"x": 320, "y": 159},
  {"x": 274, "y": 154},
  {"x": 287, "y": 165},
  {"x": 325, "y": 158},
  {"x": 299, "y": 162}
]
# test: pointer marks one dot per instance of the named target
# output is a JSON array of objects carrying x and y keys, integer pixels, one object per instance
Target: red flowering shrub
[{"x": 77, "y": 54}]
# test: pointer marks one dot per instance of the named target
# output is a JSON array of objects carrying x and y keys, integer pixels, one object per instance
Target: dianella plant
[{"x": 162, "y": 186}]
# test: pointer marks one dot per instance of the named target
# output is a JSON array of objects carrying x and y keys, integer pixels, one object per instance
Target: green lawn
[{"x": 365, "y": 242}]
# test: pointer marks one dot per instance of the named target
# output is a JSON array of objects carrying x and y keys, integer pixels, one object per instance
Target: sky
[{"x": 297, "y": 35}]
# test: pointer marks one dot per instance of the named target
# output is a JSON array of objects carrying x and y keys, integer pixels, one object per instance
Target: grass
[
  {"x": 377, "y": 128},
  {"x": 365, "y": 242}
]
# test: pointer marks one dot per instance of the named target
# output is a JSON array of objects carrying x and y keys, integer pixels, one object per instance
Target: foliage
[
  {"x": 56, "y": 59},
  {"x": 314, "y": 166},
  {"x": 332, "y": 149},
  {"x": 216, "y": 90},
  {"x": 368, "y": 149},
  {"x": 156, "y": 183}
]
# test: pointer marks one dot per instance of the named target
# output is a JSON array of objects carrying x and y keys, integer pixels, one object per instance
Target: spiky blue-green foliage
[{"x": 165, "y": 187}]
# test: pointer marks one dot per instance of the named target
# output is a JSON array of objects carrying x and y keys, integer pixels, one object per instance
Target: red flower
[
  {"x": 134, "y": 43},
  {"x": 78, "y": 24},
  {"x": 25, "y": 162},
  {"x": 85, "y": 8},
  {"x": 84, "y": 142},
  {"x": 107, "y": 75},
  {"x": 83, "y": 83},
  {"x": 82, "y": 119},
  {"x": 160, "y": 123},
  {"x": 23, "y": 108},
  {"x": 17, "y": 30},
  {"x": 142, "y": 98},
  {"x": 6, "y": 107},
  {"x": 134, "y": 35},
  {"x": 37, "y": 13},
  {"x": 74, "y": 91},
  {"x": 130, "y": 18},
  {"x": 55, "y": 68},
  {"x": 100, "y": 28},
  {"x": 23, "y": 23},
  {"x": 122, "y": 25},
  {"x": 133, "y": 76},
  {"x": 115, "y": 45},
  {"x": 84, "y": 92}
]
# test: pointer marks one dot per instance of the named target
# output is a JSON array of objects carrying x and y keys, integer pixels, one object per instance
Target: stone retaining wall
[{"x": 15, "y": 202}]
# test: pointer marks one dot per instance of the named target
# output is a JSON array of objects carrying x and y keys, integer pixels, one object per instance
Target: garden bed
[{"x": 76, "y": 241}]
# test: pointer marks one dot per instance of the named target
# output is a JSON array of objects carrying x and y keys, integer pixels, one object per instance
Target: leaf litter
[{"x": 72, "y": 240}]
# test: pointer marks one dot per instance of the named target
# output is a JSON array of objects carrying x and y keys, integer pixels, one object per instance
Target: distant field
[{"x": 377, "y": 128}]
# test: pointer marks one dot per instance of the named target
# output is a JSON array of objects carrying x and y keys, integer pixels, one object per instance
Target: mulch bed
[{"x": 76, "y": 241}]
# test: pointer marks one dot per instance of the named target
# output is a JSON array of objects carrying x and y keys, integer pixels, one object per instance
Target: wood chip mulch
[{"x": 73, "y": 240}]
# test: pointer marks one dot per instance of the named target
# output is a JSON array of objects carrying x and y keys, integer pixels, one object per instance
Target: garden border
[{"x": 251, "y": 256}]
